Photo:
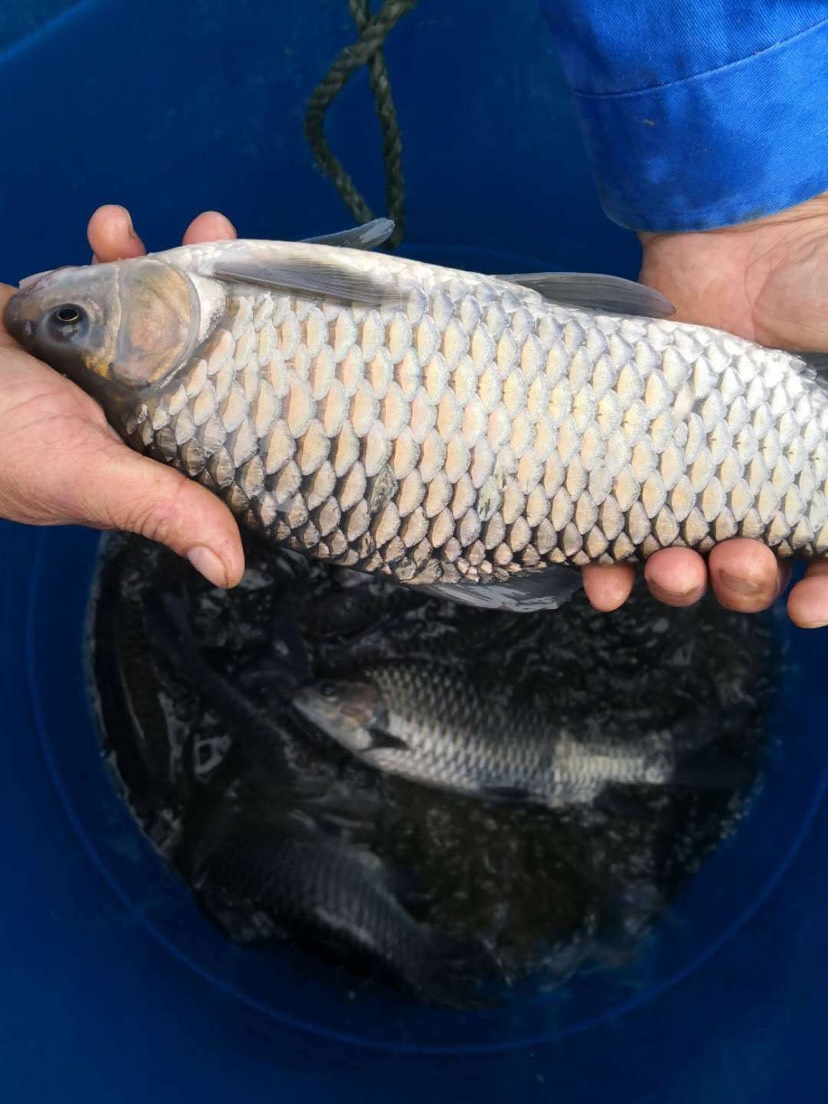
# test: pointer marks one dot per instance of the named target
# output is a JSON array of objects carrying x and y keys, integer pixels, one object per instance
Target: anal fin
[
  {"x": 509, "y": 795},
  {"x": 543, "y": 589}
]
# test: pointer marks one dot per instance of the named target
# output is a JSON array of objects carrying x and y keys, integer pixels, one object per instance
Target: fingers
[
  {"x": 98, "y": 480},
  {"x": 608, "y": 587},
  {"x": 6, "y": 292},
  {"x": 209, "y": 226},
  {"x": 808, "y": 601},
  {"x": 746, "y": 575},
  {"x": 125, "y": 491},
  {"x": 676, "y": 576},
  {"x": 112, "y": 236}
]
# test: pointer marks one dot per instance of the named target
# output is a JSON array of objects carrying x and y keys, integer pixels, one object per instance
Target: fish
[
  {"x": 480, "y": 436},
  {"x": 425, "y": 721},
  {"x": 265, "y": 751},
  {"x": 335, "y": 899},
  {"x": 127, "y": 685}
]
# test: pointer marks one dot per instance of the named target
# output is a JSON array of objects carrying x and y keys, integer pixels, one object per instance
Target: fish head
[
  {"x": 347, "y": 711},
  {"x": 111, "y": 328}
]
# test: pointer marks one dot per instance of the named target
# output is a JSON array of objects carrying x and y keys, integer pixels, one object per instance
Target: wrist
[{"x": 814, "y": 208}]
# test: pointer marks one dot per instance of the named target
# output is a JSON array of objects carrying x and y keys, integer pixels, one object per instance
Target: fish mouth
[
  {"x": 308, "y": 703},
  {"x": 25, "y": 307},
  {"x": 21, "y": 312}
]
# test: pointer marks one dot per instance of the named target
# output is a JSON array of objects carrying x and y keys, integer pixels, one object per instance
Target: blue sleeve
[{"x": 698, "y": 113}]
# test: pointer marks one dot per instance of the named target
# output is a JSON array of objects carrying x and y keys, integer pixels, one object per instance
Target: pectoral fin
[{"x": 302, "y": 273}]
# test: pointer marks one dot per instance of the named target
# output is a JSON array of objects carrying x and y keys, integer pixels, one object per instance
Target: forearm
[{"x": 698, "y": 113}]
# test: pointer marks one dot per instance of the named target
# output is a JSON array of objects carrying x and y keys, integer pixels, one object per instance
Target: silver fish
[
  {"x": 427, "y": 723},
  {"x": 444, "y": 427},
  {"x": 331, "y": 897}
]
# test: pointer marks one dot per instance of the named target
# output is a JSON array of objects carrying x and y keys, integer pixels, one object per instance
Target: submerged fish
[
  {"x": 444, "y": 427},
  {"x": 424, "y": 721},
  {"x": 334, "y": 898}
]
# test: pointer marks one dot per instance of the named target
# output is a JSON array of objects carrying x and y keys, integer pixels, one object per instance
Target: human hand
[
  {"x": 62, "y": 464},
  {"x": 766, "y": 281}
]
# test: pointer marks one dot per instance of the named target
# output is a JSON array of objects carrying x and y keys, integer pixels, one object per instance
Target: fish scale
[
  {"x": 651, "y": 388},
  {"x": 432, "y": 725},
  {"x": 324, "y": 893},
  {"x": 470, "y": 429}
]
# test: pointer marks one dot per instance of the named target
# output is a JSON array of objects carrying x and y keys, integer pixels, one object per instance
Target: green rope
[{"x": 367, "y": 50}]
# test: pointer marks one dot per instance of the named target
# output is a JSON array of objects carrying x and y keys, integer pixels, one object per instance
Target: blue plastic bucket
[{"x": 116, "y": 988}]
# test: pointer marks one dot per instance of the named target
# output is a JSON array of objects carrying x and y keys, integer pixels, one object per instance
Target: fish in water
[
  {"x": 430, "y": 724},
  {"x": 447, "y": 428},
  {"x": 335, "y": 899}
]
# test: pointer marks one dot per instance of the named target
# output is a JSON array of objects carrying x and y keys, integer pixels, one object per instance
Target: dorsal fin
[
  {"x": 541, "y": 589},
  {"x": 371, "y": 235},
  {"x": 606, "y": 294}
]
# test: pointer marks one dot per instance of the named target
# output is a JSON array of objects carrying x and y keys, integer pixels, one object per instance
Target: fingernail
[
  {"x": 746, "y": 587},
  {"x": 130, "y": 227},
  {"x": 207, "y": 563},
  {"x": 664, "y": 595}
]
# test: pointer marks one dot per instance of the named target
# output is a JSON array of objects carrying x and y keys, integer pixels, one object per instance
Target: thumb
[
  {"x": 129, "y": 492},
  {"x": 100, "y": 481}
]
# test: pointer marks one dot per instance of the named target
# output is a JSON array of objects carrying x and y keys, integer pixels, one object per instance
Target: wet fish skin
[
  {"x": 425, "y": 722},
  {"x": 331, "y": 896},
  {"x": 128, "y": 686},
  {"x": 442, "y": 426}
]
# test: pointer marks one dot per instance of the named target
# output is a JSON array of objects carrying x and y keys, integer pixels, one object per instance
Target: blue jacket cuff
[{"x": 716, "y": 148}]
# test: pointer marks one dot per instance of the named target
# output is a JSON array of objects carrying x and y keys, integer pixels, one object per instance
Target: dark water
[{"x": 545, "y": 893}]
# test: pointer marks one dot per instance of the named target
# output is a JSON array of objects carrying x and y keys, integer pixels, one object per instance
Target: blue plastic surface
[{"x": 172, "y": 108}]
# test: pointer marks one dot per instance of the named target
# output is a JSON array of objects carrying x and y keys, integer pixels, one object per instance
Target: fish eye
[
  {"x": 329, "y": 690},
  {"x": 68, "y": 315}
]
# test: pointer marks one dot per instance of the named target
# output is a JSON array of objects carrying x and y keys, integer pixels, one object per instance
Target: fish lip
[{"x": 17, "y": 314}]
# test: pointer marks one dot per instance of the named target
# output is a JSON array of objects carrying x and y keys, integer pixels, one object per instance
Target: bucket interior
[{"x": 172, "y": 109}]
